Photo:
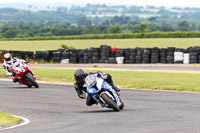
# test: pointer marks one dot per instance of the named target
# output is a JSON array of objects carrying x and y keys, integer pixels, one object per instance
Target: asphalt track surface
[{"x": 55, "y": 108}]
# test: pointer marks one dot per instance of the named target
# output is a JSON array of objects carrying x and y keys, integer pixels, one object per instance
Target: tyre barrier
[
  {"x": 26, "y": 55},
  {"x": 42, "y": 56},
  {"x": 106, "y": 54}
]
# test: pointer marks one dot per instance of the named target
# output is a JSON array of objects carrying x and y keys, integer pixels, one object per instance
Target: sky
[{"x": 166, "y": 3}]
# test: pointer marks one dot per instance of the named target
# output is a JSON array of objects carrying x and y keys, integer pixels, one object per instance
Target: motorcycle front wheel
[
  {"x": 32, "y": 80},
  {"x": 110, "y": 102}
]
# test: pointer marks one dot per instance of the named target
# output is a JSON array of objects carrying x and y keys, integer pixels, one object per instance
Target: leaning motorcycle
[
  {"x": 24, "y": 74},
  {"x": 103, "y": 93}
]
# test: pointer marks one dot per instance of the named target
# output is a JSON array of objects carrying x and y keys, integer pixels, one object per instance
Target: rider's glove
[{"x": 13, "y": 74}]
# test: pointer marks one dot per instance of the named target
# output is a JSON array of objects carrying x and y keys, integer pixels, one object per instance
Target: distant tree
[
  {"x": 21, "y": 35},
  {"x": 122, "y": 20},
  {"x": 183, "y": 26},
  {"x": 153, "y": 27},
  {"x": 167, "y": 27},
  {"x": 11, "y": 33},
  {"x": 152, "y": 19},
  {"x": 6, "y": 27},
  {"x": 62, "y": 9},
  {"x": 134, "y": 22},
  {"x": 142, "y": 28},
  {"x": 114, "y": 29},
  {"x": 83, "y": 21},
  {"x": 106, "y": 23}
]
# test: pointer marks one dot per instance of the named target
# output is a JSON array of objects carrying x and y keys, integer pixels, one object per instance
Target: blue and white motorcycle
[{"x": 103, "y": 93}]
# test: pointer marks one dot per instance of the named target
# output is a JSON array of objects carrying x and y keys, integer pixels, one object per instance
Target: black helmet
[{"x": 79, "y": 75}]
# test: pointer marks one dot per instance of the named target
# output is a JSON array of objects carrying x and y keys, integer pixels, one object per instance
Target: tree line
[
  {"x": 67, "y": 29},
  {"x": 96, "y": 19}
]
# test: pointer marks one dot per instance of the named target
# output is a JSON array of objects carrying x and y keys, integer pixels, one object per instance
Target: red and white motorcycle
[{"x": 24, "y": 73}]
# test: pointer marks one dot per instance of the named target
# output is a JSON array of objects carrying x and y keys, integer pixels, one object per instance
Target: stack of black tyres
[
  {"x": 163, "y": 55},
  {"x": 155, "y": 55},
  {"x": 27, "y": 55},
  {"x": 61, "y": 50},
  {"x": 139, "y": 55},
  {"x": 133, "y": 53},
  {"x": 85, "y": 56},
  {"x": 113, "y": 52},
  {"x": 51, "y": 54},
  {"x": 105, "y": 53},
  {"x": 127, "y": 56},
  {"x": 73, "y": 56},
  {"x": 81, "y": 55},
  {"x": 65, "y": 55},
  {"x": 146, "y": 56},
  {"x": 56, "y": 57},
  {"x": 120, "y": 52},
  {"x": 187, "y": 50},
  {"x": 95, "y": 55},
  {"x": 194, "y": 54},
  {"x": 170, "y": 55},
  {"x": 112, "y": 58},
  {"x": 90, "y": 55}
]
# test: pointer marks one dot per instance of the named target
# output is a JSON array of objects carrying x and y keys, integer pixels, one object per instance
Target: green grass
[
  {"x": 7, "y": 120},
  {"x": 121, "y": 43},
  {"x": 128, "y": 79}
]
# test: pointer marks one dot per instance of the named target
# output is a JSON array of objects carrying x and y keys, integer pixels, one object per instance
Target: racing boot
[
  {"x": 82, "y": 95},
  {"x": 15, "y": 79}
]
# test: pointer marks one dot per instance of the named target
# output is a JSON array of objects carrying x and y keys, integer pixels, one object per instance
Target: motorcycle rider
[
  {"x": 80, "y": 76},
  {"x": 8, "y": 62}
]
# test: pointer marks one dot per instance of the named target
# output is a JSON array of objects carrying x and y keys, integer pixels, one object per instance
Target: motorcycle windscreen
[{"x": 99, "y": 83}]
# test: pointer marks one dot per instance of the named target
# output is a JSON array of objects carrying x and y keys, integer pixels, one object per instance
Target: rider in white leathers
[{"x": 8, "y": 62}]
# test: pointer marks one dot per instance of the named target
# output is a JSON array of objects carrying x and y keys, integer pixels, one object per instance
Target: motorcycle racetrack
[{"x": 55, "y": 108}]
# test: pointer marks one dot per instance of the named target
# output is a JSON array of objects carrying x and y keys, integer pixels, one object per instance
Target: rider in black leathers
[{"x": 80, "y": 76}]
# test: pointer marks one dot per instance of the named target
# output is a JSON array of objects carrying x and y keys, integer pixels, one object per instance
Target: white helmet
[{"x": 8, "y": 58}]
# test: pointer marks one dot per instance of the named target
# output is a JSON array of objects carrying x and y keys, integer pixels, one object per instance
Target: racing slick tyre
[
  {"x": 110, "y": 102},
  {"x": 122, "y": 104},
  {"x": 32, "y": 80}
]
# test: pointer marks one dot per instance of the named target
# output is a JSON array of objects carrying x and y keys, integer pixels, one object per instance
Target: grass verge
[
  {"x": 7, "y": 120},
  {"x": 121, "y": 43},
  {"x": 180, "y": 81}
]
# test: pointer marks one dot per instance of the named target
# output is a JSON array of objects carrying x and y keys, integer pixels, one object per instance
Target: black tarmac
[{"x": 54, "y": 108}]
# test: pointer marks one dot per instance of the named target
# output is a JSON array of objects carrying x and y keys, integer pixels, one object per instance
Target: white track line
[{"x": 26, "y": 121}]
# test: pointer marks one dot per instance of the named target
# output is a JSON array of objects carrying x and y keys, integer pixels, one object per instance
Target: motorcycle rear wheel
[{"x": 110, "y": 102}]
